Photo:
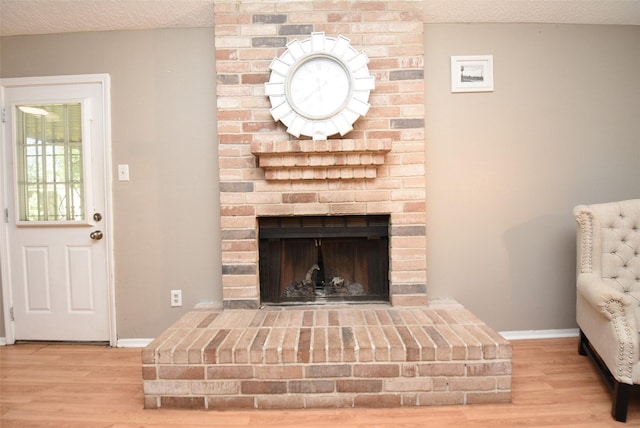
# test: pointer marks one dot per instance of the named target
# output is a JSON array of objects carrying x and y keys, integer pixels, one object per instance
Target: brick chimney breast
[{"x": 264, "y": 171}]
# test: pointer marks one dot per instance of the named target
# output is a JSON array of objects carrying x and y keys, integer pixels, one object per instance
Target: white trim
[
  {"x": 133, "y": 343},
  {"x": 509, "y": 335},
  {"x": 539, "y": 334},
  {"x": 121, "y": 343},
  {"x": 7, "y": 300},
  {"x": 105, "y": 79}
]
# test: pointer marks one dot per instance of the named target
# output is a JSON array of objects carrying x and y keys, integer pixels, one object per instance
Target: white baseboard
[
  {"x": 122, "y": 343},
  {"x": 539, "y": 334},
  {"x": 133, "y": 343},
  {"x": 509, "y": 335}
]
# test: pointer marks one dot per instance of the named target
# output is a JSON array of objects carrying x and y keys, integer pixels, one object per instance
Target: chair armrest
[
  {"x": 607, "y": 317},
  {"x": 607, "y": 300}
]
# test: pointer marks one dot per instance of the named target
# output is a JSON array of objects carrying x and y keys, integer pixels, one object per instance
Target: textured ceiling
[
  {"x": 59, "y": 16},
  {"x": 621, "y": 12}
]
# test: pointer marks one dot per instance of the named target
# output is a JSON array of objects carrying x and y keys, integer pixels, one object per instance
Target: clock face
[{"x": 319, "y": 87}]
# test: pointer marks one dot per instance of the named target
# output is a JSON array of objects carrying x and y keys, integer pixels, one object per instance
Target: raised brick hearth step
[{"x": 327, "y": 356}]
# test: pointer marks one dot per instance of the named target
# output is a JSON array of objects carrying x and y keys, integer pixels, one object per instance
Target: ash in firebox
[{"x": 309, "y": 290}]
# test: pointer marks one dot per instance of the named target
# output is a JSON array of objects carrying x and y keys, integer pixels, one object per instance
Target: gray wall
[
  {"x": 504, "y": 169},
  {"x": 166, "y": 219}
]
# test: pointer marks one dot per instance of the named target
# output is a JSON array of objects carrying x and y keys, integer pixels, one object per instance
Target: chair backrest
[{"x": 609, "y": 243}]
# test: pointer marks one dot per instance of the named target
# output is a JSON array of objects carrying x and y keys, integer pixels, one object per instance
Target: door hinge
[
  {"x": 11, "y": 314},
  {"x": 4, "y": 115},
  {"x": 6, "y": 215}
]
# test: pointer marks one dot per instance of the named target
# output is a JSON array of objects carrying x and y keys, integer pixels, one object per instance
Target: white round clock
[{"x": 319, "y": 87}]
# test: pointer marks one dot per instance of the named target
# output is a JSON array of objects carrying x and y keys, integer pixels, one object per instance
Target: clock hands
[{"x": 317, "y": 88}]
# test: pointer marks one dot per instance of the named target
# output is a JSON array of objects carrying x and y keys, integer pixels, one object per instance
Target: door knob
[{"x": 96, "y": 235}]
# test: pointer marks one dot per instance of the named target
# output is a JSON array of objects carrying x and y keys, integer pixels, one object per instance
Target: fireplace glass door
[{"x": 324, "y": 259}]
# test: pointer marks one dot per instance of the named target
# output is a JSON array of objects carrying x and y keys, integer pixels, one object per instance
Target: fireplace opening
[{"x": 324, "y": 259}]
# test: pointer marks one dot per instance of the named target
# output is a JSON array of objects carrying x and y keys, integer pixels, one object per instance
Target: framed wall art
[{"x": 472, "y": 73}]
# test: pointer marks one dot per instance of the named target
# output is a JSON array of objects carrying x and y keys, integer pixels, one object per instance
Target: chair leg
[
  {"x": 582, "y": 344},
  {"x": 620, "y": 401}
]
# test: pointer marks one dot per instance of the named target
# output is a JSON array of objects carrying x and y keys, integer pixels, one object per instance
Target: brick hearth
[{"x": 327, "y": 356}]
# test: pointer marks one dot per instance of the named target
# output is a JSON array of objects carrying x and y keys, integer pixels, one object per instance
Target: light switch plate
[{"x": 123, "y": 172}]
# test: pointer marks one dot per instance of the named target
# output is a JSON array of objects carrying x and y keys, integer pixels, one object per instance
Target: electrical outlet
[{"x": 176, "y": 297}]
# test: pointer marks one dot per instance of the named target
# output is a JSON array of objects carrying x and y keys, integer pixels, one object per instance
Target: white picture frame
[{"x": 472, "y": 73}]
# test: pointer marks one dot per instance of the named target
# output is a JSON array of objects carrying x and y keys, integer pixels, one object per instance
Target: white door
[{"x": 56, "y": 183}]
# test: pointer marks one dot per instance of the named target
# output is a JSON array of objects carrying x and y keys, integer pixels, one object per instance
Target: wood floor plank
[{"x": 79, "y": 385}]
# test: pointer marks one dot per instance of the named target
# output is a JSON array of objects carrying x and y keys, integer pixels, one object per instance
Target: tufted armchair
[{"x": 608, "y": 294}]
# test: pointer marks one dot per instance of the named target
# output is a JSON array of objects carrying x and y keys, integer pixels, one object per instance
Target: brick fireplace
[
  {"x": 360, "y": 194},
  {"x": 376, "y": 169}
]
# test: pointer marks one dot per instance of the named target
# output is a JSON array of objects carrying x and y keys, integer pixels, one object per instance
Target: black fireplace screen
[{"x": 324, "y": 259}]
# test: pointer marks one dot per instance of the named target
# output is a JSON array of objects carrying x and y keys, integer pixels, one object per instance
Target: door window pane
[{"x": 49, "y": 162}]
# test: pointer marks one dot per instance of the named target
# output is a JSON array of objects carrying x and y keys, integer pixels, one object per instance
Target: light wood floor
[{"x": 87, "y": 386}]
